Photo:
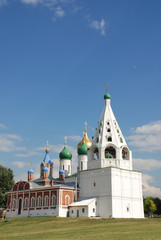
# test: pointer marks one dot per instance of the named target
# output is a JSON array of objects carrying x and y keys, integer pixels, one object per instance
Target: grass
[{"x": 78, "y": 228}]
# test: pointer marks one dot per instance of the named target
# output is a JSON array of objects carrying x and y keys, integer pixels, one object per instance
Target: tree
[
  {"x": 6, "y": 183},
  {"x": 149, "y": 206},
  {"x": 157, "y": 202}
]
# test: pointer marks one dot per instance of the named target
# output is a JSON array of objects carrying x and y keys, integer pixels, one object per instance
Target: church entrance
[
  {"x": 77, "y": 213},
  {"x": 19, "y": 206}
]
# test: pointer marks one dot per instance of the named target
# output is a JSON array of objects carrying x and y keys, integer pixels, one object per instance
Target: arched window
[
  {"x": 67, "y": 200},
  {"x": 53, "y": 200},
  {"x": 39, "y": 201},
  {"x": 32, "y": 202},
  {"x": 46, "y": 201},
  {"x": 97, "y": 139},
  {"x": 95, "y": 154},
  {"x": 125, "y": 153},
  {"x": 108, "y": 130},
  {"x": 81, "y": 165},
  {"x": 121, "y": 140},
  {"x": 117, "y": 131},
  {"x": 14, "y": 203},
  {"x": 110, "y": 152},
  {"x": 26, "y": 202},
  {"x": 109, "y": 139}
]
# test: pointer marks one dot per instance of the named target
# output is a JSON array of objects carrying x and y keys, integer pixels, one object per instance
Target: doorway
[
  {"x": 77, "y": 213},
  {"x": 19, "y": 206}
]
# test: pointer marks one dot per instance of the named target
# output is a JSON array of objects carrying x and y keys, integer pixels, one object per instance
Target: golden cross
[
  {"x": 106, "y": 87},
  {"x": 47, "y": 144},
  {"x": 65, "y": 140},
  {"x": 85, "y": 126}
]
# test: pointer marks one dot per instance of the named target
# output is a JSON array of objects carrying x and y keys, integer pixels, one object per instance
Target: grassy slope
[{"x": 68, "y": 228}]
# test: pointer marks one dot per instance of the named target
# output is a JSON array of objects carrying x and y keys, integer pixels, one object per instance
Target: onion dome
[
  {"x": 108, "y": 155},
  {"x": 45, "y": 169},
  {"x": 82, "y": 150},
  {"x": 107, "y": 95},
  {"x": 30, "y": 171},
  {"x": 65, "y": 153},
  {"x": 85, "y": 139},
  {"x": 61, "y": 171}
]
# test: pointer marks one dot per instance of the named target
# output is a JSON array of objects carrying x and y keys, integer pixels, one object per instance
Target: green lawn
[{"x": 77, "y": 228}]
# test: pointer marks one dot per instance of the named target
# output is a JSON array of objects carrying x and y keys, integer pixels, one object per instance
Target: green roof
[
  {"x": 108, "y": 155},
  {"x": 65, "y": 154},
  {"x": 82, "y": 150},
  {"x": 107, "y": 96}
]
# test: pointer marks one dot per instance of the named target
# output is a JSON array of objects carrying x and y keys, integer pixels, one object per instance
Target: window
[
  {"x": 14, "y": 203},
  {"x": 83, "y": 210},
  {"x": 117, "y": 130},
  {"x": 53, "y": 200},
  {"x": 46, "y": 201},
  {"x": 39, "y": 201},
  {"x": 121, "y": 140},
  {"x": 108, "y": 123},
  {"x": 81, "y": 165},
  {"x": 93, "y": 210},
  {"x": 68, "y": 169},
  {"x": 125, "y": 153},
  {"x": 94, "y": 184},
  {"x": 67, "y": 200},
  {"x": 63, "y": 167},
  {"x": 128, "y": 209},
  {"x": 108, "y": 130},
  {"x": 109, "y": 139},
  {"x": 26, "y": 202},
  {"x": 97, "y": 139},
  {"x": 72, "y": 211},
  {"x": 32, "y": 202},
  {"x": 110, "y": 151},
  {"x": 95, "y": 154}
]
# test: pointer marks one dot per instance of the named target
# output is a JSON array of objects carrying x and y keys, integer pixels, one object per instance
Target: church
[{"x": 105, "y": 184}]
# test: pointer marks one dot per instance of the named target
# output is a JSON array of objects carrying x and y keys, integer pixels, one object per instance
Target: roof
[{"x": 83, "y": 202}]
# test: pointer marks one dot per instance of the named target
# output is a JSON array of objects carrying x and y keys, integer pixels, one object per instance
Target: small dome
[
  {"x": 30, "y": 171},
  {"x": 108, "y": 155},
  {"x": 61, "y": 171},
  {"x": 107, "y": 96},
  {"x": 82, "y": 150},
  {"x": 65, "y": 154},
  {"x": 45, "y": 169}
]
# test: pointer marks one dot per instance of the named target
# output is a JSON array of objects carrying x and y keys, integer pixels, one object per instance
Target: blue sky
[{"x": 56, "y": 57}]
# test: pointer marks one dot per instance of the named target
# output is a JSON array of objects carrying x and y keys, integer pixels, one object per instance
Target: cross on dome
[{"x": 65, "y": 140}]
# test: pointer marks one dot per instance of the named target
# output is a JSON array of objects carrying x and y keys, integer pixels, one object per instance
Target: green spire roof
[
  {"x": 65, "y": 154},
  {"x": 82, "y": 150},
  {"x": 107, "y": 96},
  {"x": 108, "y": 155}
]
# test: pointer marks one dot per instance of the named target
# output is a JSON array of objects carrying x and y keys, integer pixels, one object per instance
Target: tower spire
[{"x": 85, "y": 126}]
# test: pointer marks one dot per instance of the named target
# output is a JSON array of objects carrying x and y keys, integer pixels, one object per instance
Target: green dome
[
  {"x": 65, "y": 154},
  {"x": 82, "y": 150},
  {"x": 108, "y": 155},
  {"x": 107, "y": 96}
]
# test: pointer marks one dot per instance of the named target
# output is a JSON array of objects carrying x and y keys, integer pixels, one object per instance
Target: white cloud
[
  {"x": 3, "y": 2},
  {"x": 75, "y": 138},
  {"x": 28, "y": 154},
  {"x": 146, "y": 164},
  {"x": 19, "y": 164},
  {"x": 2, "y": 126},
  {"x": 150, "y": 190},
  {"x": 8, "y": 143},
  {"x": 33, "y": 2},
  {"x": 59, "y": 12},
  {"x": 99, "y": 25},
  {"x": 147, "y": 137}
]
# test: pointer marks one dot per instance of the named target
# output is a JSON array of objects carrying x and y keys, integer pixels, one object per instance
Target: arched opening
[
  {"x": 14, "y": 203},
  {"x": 26, "y": 202},
  {"x": 121, "y": 140},
  {"x": 81, "y": 165},
  {"x": 15, "y": 187},
  {"x": 110, "y": 152},
  {"x": 117, "y": 131},
  {"x": 53, "y": 200},
  {"x": 108, "y": 130},
  {"x": 95, "y": 154},
  {"x": 46, "y": 201},
  {"x": 39, "y": 201},
  {"x": 67, "y": 200},
  {"x": 32, "y": 202},
  {"x": 97, "y": 139},
  {"x": 19, "y": 205},
  {"x": 125, "y": 153},
  {"x": 21, "y": 186}
]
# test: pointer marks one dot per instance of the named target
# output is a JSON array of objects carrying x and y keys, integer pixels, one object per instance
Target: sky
[{"x": 56, "y": 57}]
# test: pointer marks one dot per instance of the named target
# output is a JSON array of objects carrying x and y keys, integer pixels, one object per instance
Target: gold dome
[
  {"x": 85, "y": 139},
  {"x": 47, "y": 148}
]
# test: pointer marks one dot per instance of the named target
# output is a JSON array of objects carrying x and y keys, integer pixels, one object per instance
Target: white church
[{"x": 105, "y": 184}]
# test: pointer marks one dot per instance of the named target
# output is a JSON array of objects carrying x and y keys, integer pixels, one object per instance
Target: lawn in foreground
[{"x": 80, "y": 228}]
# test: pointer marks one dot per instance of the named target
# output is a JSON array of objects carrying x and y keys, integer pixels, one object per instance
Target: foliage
[
  {"x": 149, "y": 205},
  {"x": 80, "y": 228},
  {"x": 157, "y": 202},
  {"x": 6, "y": 183}
]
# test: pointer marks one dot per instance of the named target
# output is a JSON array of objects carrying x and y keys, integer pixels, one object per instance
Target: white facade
[
  {"x": 66, "y": 165},
  {"x": 82, "y": 162}
]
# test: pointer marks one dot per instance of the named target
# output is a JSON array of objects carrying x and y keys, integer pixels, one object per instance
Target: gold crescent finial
[
  {"x": 65, "y": 140},
  {"x": 85, "y": 126},
  {"x": 106, "y": 87}
]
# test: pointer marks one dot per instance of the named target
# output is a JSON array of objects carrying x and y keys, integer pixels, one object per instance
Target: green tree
[
  {"x": 6, "y": 183},
  {"x": 149, "y": 206},
  {"x": 157, "y": 202}
]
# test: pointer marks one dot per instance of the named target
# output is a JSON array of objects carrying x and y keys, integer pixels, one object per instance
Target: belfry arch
[
  {"x": 125, "y": 153},
  {"x": 110, "y": 152}
]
